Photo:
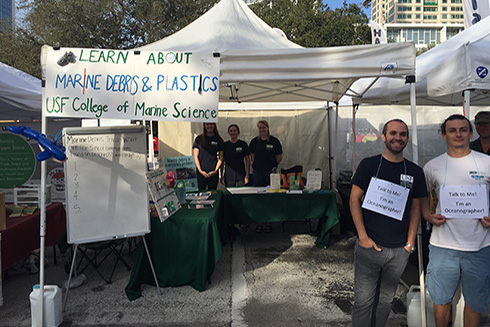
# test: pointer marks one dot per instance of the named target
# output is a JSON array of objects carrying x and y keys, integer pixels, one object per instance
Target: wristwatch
[{"x": 410, "y": 247}]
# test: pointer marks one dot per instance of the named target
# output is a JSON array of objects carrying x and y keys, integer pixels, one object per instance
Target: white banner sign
[
  {"x": 464, "y": 201},
  {"x": 386, "y": 198},
  {"x": 129, "y": 84}
]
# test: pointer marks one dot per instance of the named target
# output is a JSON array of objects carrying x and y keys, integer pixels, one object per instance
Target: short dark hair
[
  {"x": 455, "y": 117},
  {"x": 385, "y": 127}
]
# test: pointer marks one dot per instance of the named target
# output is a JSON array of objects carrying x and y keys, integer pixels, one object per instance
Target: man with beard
[
  {"x": 459, "y": 249},
  {"x": 385, "y": 205}
]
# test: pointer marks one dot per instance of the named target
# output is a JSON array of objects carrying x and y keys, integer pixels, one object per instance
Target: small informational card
[
  {"x": 464, "y": 201},
  {"x": 313, "y": 180},
  {"x": 197, "y": 196},
  {"x": 201, "y": 204},
  {"x": 163, "y": 195},
  {"x": 386, "y": 198},
  {"x": 184, "y": 170}
]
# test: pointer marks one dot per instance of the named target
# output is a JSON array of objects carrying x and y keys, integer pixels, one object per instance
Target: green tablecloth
[
  {"x": 184, "y": 250},
  {"x": 274, "y": 207}
]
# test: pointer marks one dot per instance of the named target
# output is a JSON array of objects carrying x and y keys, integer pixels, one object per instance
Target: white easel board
[{"x": 106, "y": 191}]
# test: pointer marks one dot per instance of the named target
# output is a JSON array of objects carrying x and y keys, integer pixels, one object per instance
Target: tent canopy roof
[
  {"x": 20, "y": 95},
  {"x": 260, "y": 65},
  {"x": 442, "y": 73}
]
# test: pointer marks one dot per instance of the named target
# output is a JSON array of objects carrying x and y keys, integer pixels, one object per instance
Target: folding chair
[{"x": 98, "y": 249}]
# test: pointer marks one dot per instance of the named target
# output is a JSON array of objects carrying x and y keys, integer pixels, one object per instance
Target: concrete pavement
[{"x": 276, "y": 279}]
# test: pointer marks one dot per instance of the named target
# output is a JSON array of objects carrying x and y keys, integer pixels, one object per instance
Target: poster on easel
[
  {"x": 162, "y": 192},
  {"x": 185, "y": 170}
]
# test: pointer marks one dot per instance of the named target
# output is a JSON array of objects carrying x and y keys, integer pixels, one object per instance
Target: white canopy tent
[
  {"x": 20, "y": 95},
  {"x": 259, "y": 65},
  {"x": 443, "y": 73}
]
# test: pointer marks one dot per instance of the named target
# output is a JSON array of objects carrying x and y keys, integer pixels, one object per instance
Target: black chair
[{"x": 96, "y": 253}]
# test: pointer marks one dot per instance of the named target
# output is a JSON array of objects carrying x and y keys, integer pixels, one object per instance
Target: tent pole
[
  {"x": 353, "y": 139},
  {"x": 333, "y": 155},
  {"x": 42, "y": 224},
  {"x": 415, "y": 146},
  {"x": 415, "y": 158},
  {"x": 466, "y": 103},
  {"x": 458, "y": 308}
]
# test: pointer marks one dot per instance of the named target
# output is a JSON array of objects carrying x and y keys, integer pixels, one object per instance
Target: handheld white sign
[
  {"x": 386, "y": 198},
  {"x": 464, "y": 201}
]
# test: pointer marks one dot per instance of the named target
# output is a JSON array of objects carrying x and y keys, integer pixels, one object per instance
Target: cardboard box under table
[
  {"x": 184, "y": 250},
  {"x": 263, "y": 207}
]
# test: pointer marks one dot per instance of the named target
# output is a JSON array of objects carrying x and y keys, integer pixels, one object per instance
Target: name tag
[
  {"x": 238, "y": 149},
  {"x": 406, "y": 180},
  {"x": 464, "y": 201},
  {"x": 386, "y": 198}
]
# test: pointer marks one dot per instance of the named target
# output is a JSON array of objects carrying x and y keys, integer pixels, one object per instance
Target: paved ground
[{"x": 277, "y": 279}]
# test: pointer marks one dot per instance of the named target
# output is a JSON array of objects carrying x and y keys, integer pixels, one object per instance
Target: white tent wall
[
  {"x": 369, "y": 124},
  {"x": 20, "y": 95},
  {"x": 304, "y": 135}
]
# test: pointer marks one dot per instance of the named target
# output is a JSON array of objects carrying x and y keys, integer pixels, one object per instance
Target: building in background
[
  {"x": 7, "y": 14},
  {"x": 424, "y": 22}
]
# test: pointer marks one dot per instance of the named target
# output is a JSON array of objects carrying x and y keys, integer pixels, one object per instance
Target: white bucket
[
  {"x": 414, "y": 316},
  {"x": 53, "y": 315}
]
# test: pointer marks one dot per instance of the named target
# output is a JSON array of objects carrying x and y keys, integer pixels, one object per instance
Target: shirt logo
[
  {"x": 214, "y": 143},
  {"x": 238, "y": 149},
  {"x": 476, "y": 175},
  {"x": 269, "y": 147},
  {"x": 406, "y": 180}
]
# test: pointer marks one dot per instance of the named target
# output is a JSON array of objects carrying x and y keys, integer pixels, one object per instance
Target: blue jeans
[{"x": 376, "y": 276}]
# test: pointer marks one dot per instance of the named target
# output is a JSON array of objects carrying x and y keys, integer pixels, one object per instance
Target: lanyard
[
  {"x": 474, "y": 160},
  {"x": 404, "y": 167}
]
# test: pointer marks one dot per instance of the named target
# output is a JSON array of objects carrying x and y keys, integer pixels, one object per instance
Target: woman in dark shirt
[
  {"x": 208, "y": 156},
  {"x": 266, "y": 154},
  {"x": 236, "y": 165}
]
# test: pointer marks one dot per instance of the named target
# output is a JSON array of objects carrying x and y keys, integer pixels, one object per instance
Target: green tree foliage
[
  {"x": 311, "y": 25},
  {"x": 347, "y": 25},
  {"x": 108, "y": 24},
  {"x": 126, "y": 24}
]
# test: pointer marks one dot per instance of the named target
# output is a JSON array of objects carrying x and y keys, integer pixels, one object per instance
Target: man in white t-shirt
[{"x": 459, "y": 249}]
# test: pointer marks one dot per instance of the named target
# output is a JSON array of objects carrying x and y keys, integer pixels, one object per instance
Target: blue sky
[{"x": 338, "y": 3}]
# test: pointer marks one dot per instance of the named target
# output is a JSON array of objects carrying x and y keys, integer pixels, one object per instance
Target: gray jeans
[{"x": 376, "y": 276}]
